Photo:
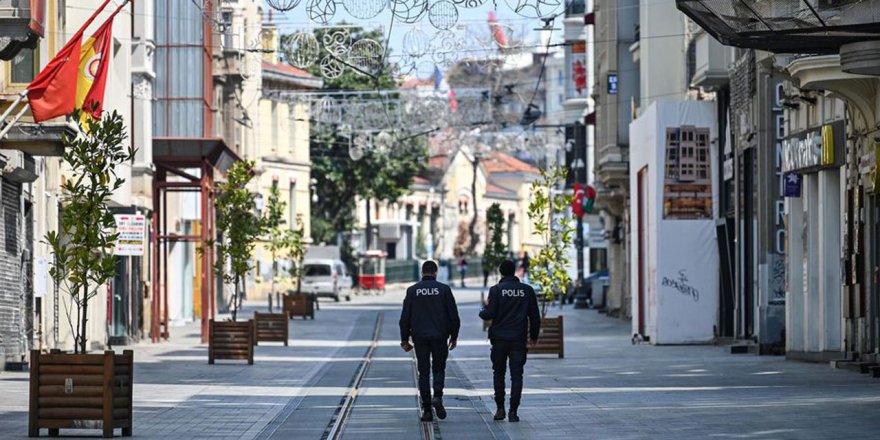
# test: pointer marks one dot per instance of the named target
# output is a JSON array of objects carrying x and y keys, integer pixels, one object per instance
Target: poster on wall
[
  {"x": 687, "y": 183},
  {"x": 132, "y": 235}
]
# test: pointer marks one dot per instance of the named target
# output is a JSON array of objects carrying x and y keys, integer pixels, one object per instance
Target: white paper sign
[
  {"x": 41, "y": 275},
  {"x": 132, "y": 234}
]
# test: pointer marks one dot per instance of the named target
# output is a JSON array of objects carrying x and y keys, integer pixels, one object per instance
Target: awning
[
  {"x": 787, "y": 26},
  {"x": 190, "y": 152}
]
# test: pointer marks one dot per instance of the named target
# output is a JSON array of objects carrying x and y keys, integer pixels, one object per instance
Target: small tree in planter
[
  {"x": 495, "y": 251},
  {"x": 238, "y": 228},
  {"x": 96, "y": 390},
  {"x": 278, "y": 236},
  {"x": 548, "y": 269},
  {"x": 82, "y": 247}
]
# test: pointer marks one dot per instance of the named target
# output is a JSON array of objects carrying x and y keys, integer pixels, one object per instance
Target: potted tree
[
  {"x": 279, "y": 239},
  {"x": 238, "y": 228},
  {"x": 548, "y": 270},
  {"x": 297, "y": 303},
  {"x": 80, "y": 390}
]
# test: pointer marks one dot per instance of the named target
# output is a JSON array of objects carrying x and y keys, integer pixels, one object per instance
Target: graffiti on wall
[{"x": 682, "y": 285}]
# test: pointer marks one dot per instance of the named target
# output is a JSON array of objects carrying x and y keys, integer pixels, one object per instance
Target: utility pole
[{"x": 580, "y": 177}]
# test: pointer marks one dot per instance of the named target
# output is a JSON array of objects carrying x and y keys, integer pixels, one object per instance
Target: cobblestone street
[{"x": 605, "y": 388}]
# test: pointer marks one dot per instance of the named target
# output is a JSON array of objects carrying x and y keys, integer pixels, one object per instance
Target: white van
[{"x": 326, "y": 277}]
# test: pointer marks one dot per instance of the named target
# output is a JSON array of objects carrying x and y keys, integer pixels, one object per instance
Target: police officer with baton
[
  {"x": 430, "y": 317},
  {"x": 513, "y": 309}
]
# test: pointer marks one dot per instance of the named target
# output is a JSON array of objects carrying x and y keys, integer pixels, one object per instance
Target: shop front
[{"x": 812, "y": 166}]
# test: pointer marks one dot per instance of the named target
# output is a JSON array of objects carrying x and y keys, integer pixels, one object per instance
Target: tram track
[
  {"x": 430, "y": 431},
  {"x": 337, "y": 424},
  {"x": 336, "y": 428}
]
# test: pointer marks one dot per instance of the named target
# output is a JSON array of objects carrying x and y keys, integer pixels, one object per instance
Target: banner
[{"x": 132, "y": 230}]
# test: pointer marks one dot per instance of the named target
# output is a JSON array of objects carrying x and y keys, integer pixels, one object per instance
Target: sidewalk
[{"x": 607, "y": 388}]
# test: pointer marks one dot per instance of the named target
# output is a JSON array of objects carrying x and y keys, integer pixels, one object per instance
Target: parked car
[{"x": 327, "y": 278}]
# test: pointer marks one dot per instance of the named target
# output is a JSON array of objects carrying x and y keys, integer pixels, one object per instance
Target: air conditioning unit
[{"x": 19, "y": 167}]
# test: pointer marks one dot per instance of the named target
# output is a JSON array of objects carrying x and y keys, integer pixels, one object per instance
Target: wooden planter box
[
  {"x": 551, "y": 339},
  {"x": 299, "y": 305},
  {"x": 271, "y": 327},
  {"x": 231, "y": 340},
  {"x": 81, "y": 391}
]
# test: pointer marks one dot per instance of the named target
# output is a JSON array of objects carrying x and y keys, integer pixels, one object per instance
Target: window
[
  {"x": 317, "y": 270},
  {"x": 23, "y": 68}
]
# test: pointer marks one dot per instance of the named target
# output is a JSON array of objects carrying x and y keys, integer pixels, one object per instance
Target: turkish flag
[{"x": 577, "y": 205}]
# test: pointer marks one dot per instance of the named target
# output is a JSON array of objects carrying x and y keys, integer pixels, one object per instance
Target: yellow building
[{"x": 282, "y": 156}]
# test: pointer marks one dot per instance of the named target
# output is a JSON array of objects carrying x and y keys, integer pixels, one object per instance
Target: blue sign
[
  {"x": 612, "y": 83},
  {"x": 792, "y": 184}
]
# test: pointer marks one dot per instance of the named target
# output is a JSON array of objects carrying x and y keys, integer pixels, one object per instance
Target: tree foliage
[
  {"x": 238, "y": 228},
  {"x": 495, "y": 251},
  {"x": 546, "y": 211},
  {"x": 83, "y": 245},
  {"x": 281, "y": 239},
  {"x": 384, "y": 176}
]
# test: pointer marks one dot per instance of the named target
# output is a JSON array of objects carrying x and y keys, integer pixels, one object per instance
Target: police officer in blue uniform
[
  {"x": 430, "y": 318},
  {"x": 516, "y": 323}
]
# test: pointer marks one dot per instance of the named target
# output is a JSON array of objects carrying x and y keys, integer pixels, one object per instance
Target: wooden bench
[
  {"x": 551, "y": 339},
  {"x": 271, "y": 327},
  {"x": 299, "y": 305},
  {"x": 231, "y": 341},
  {"x": 81, "y": 391}
]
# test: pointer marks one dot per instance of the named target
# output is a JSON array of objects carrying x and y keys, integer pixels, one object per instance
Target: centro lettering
[
  {"x": 427, "y": 292},
  {"x": 513, "y": 293}
]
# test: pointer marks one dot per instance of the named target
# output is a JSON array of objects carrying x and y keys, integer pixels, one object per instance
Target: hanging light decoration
[{"x": 283, "y": 5}]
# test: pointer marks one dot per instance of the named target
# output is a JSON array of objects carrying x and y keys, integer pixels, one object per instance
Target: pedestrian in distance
[
  {"x": 430, "y": 318},
  {"x": 526, "y": 264},
  {"x": 516, "y": 323},
  {"x": 462, "y": 269}
]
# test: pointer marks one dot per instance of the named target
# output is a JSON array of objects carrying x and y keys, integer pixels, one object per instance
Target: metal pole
[
  {"x": 9, "y": 125},
  {"x": 580, "y": 147}
]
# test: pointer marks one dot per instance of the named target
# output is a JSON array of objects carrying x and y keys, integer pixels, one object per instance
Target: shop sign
[
  {"x": 132, "y": 235},
  {"x": 814, "y": 149},
  {"x": 792, "y": 184},
  {"x": 612, "y": 83}
]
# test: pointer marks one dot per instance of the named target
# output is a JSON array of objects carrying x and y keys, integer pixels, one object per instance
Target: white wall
[{"x": 673, "y": 246}]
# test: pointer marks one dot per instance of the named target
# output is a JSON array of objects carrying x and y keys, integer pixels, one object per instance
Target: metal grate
[{"x": 787, "y": 25}]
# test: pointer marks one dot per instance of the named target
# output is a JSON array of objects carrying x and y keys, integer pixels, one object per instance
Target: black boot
[
  {"x": 499, "y": 413},
  {"x": 437, "y": 403},
  {"x": 427, "y": 413},
  {"x": 513, "y": 416}
]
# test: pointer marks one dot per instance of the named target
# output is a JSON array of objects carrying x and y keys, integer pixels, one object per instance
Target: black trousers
[
  {"x": 431, "y": 355},
  {"x": 514, "y": 354}
]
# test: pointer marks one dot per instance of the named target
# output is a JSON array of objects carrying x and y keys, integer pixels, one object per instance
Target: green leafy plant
[
  {"x": 296, "y": 251},
  {"x": 238, "y": 228},
  {"x": 340, "y": 180},
  {"x": 83, "y": 245},
  {"x": 280, "y": 238},
  {"x": 547, "y": 213},
  {"x": 495, "y": 251}
]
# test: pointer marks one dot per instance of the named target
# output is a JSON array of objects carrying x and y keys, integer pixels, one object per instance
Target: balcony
[
  {"x": 612, "y": 166},
  {"x": 712, "y": 62},
  {"x": 21, "y": 26}
]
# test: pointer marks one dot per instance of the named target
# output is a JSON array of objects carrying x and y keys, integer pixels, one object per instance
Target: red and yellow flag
[{"x": 94, "y": 61}]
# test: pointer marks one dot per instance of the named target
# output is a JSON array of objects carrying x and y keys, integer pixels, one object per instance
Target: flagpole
[
  {"x": 12, "y": 106},
  {"x": 14, "y": 120}
]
